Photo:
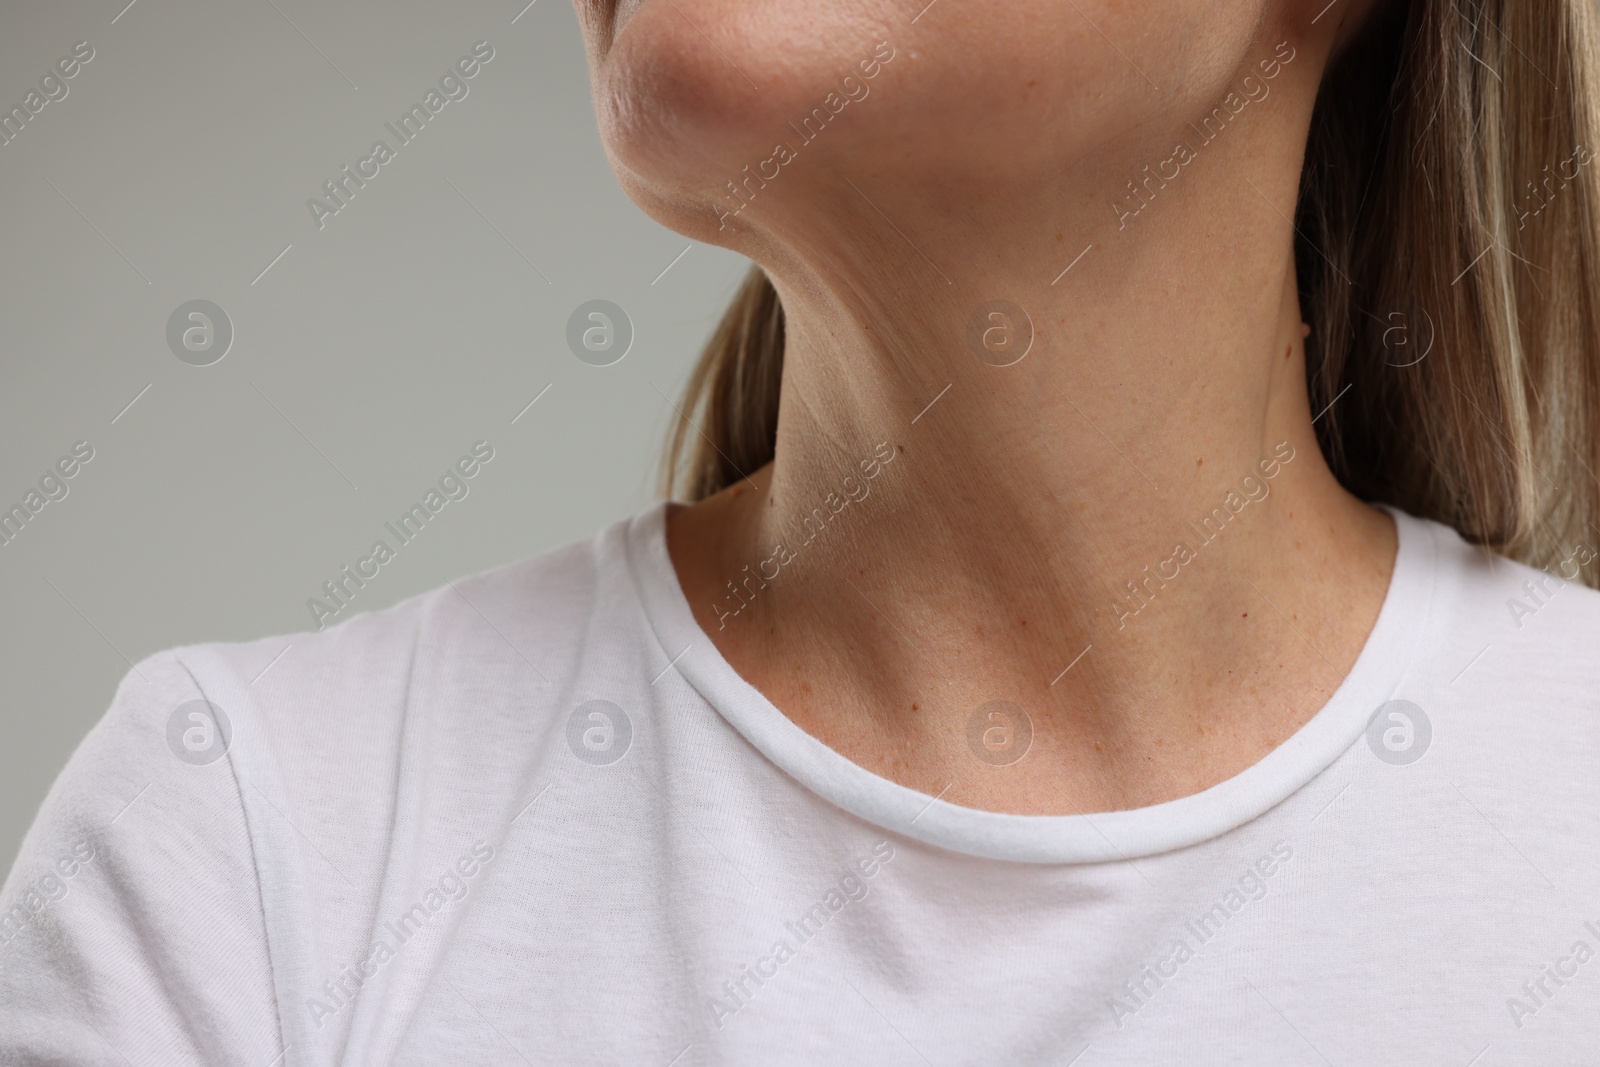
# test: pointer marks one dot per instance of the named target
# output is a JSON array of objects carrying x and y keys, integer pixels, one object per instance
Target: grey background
[{"x": 365, "y": 360}]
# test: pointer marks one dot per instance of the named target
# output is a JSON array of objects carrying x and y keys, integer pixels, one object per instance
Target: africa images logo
[
  {"x": 1249, "y": 887},
  {"x": 342, "y": 189},
  {"x": 849, "y": 887},
  {"x": 851, "y": 88}
]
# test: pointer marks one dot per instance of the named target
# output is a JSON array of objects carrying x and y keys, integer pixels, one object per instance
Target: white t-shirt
[{"x": 534, "y": 817}]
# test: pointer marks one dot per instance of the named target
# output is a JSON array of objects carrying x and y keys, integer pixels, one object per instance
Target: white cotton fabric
[{"x": 420, "y": 845}]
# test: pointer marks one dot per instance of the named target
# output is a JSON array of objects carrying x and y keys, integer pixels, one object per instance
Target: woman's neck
[{"x": 1129, "y": 533}]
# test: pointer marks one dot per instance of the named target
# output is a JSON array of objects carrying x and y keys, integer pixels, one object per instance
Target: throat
[{"x": 1091, "y": 670}]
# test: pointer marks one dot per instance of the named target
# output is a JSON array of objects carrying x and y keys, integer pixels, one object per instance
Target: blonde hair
[{"x": 1446, "y": 201}]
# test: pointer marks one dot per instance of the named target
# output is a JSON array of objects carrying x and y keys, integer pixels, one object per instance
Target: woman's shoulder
[
  {"x": 316, "y": 718},
  {"x": 236, "y": 797},
  {"x": 1508, "y": 643},
  {"x": 1487, "y": 595},
  {"x": 436, "y": 657}
]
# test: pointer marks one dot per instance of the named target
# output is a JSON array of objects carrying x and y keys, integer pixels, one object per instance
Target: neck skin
[{"x": 997, "y": 545}]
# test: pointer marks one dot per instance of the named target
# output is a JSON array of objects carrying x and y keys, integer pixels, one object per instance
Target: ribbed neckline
[{"x": 1100, "y": 837}]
